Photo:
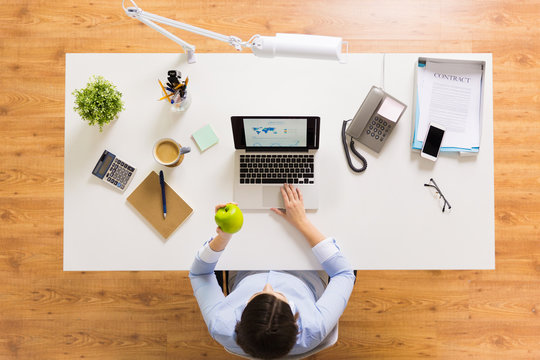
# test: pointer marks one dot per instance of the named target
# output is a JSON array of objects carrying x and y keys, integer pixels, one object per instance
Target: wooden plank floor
[{"x": 46, "y": 313}]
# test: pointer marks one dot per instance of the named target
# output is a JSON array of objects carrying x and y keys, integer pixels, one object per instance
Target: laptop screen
[{"x": 276, "y": 133}]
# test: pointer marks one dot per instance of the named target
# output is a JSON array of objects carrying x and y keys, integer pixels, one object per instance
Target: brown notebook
[{"x": 146, "y": 198}]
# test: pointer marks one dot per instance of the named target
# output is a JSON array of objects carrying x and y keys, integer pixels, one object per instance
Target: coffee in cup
[{"x": 167, "y": 152}]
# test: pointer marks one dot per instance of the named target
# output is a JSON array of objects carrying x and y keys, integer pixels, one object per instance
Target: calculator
[{"x": 114, "y": 171}]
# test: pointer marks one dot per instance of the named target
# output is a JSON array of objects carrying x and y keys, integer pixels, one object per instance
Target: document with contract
[{"x": 449, "y": 93}]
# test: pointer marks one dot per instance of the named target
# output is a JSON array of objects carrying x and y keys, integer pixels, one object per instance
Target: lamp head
[{"x": 297, "y": 45}]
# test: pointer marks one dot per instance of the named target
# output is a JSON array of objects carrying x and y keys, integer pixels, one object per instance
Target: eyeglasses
[{"x": 438, "y": 193}]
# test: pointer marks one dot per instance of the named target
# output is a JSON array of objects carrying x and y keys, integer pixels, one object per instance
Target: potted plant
[{"x": 99, "y": 102}]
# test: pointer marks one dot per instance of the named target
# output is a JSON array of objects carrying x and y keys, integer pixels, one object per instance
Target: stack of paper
[{"x": 449, "y": 93}]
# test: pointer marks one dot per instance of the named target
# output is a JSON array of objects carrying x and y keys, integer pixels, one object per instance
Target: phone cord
[{"x": 353, "y": 149}]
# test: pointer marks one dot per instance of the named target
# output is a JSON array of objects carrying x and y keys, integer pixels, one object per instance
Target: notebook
[
  {"x": 146, "y": 199},
  {"x": 272, "y": 151}
]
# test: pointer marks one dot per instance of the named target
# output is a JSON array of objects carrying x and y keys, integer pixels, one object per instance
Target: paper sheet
[{"x": 450, "y": 95}]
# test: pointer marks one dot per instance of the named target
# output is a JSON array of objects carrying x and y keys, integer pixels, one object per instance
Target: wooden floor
[{"x": 46, "y": 313}]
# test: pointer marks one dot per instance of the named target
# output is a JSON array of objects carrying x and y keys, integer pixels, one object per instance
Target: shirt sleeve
[
  {"x": 204, "y": 283},
  {"x": 333, "y": 301}
]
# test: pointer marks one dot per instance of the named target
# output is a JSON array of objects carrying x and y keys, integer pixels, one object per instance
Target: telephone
[{"x": 372, "y": 124}]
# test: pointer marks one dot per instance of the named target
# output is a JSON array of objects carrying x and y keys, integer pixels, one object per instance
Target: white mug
[{"x": 168, "y": 152}]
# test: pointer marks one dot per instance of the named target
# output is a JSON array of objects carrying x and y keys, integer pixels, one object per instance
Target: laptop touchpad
[{"x": 272, "y": 197}]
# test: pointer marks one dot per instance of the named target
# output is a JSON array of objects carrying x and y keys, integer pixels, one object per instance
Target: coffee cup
[{"x": 167, "y": 152}]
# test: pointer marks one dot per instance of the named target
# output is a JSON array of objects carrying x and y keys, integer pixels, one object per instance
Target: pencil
[{"x": 165, "y": 92}]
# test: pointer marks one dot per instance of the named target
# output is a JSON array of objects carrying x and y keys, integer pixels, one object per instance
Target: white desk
[{"x": 383, "y": 219}]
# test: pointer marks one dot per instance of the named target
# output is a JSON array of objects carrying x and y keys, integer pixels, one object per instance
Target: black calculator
[{"x": 114, "y": 171}]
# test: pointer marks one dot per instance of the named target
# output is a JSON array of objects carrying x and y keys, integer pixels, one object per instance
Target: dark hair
[{"x": 267, "y": 328}]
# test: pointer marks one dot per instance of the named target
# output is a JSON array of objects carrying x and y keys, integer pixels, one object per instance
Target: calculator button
[
  {"x": 131, "y": 168},
  {"x": 377, "y": 137},
  {"x": 368, "y": 132}
]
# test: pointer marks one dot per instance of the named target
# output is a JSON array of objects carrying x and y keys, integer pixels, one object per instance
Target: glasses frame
[{"x": 438, "y": 190}]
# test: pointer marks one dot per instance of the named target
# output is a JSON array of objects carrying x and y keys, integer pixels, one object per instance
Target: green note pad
[{"x": 205, "y": 137}]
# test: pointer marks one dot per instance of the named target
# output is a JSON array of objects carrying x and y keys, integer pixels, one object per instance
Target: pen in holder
[{"x": 176, "y": 92}]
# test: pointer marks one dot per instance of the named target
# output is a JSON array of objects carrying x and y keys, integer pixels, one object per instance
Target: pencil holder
[{"x": 179, "y": 104}]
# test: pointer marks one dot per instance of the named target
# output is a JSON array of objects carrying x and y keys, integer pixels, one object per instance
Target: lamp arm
[
  {"x": 286, "y": 45},
  {"x": 188, "y": 48},
  {"x": 149, "y": 18}
]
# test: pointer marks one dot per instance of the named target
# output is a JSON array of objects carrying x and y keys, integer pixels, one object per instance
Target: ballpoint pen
[{"x": 162, "y": 183}]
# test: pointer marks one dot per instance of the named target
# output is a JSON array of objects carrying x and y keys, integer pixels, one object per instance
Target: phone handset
[{"x": 353, "y": 149}]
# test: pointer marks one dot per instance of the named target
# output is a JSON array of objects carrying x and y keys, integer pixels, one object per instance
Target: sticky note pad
[{"x": 205, "y": 137}]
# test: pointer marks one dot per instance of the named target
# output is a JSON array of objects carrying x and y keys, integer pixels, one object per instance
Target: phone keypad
[{"x": 378, "y": 128}]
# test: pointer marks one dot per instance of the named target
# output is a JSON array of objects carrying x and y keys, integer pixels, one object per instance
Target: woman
[{"x": 270, "y": 314}]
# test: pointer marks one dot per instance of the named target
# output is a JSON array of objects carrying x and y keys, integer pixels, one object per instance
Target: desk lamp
[{"x": 286, "y": 45}]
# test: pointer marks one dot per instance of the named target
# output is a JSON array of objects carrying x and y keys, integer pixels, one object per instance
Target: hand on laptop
[
  {"x": 294, "y": 211},
  {"x": 295, "y": 214}
]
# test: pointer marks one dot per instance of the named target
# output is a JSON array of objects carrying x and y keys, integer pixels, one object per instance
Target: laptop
[{"x": 272, "y": 151}]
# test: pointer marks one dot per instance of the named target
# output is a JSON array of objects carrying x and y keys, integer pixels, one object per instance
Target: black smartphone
[{"x": 433, "y": 141}]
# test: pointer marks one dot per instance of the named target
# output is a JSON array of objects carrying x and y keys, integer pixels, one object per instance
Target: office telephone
[{"x": 372, "y": 124}]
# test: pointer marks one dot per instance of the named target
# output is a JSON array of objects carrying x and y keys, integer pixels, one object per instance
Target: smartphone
[{"x": 432, "y": 142}]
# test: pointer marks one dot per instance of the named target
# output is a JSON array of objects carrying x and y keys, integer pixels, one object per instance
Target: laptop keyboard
[{"x": 276, "y": 169}]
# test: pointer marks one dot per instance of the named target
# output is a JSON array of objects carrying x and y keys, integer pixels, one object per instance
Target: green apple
[{"x": 229, "y": 218}]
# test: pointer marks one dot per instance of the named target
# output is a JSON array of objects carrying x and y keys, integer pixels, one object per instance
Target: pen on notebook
[{"x": 162, "y": 183}]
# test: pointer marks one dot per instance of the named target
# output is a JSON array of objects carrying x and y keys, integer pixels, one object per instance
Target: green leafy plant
[{"x": 99, "y": 102}]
